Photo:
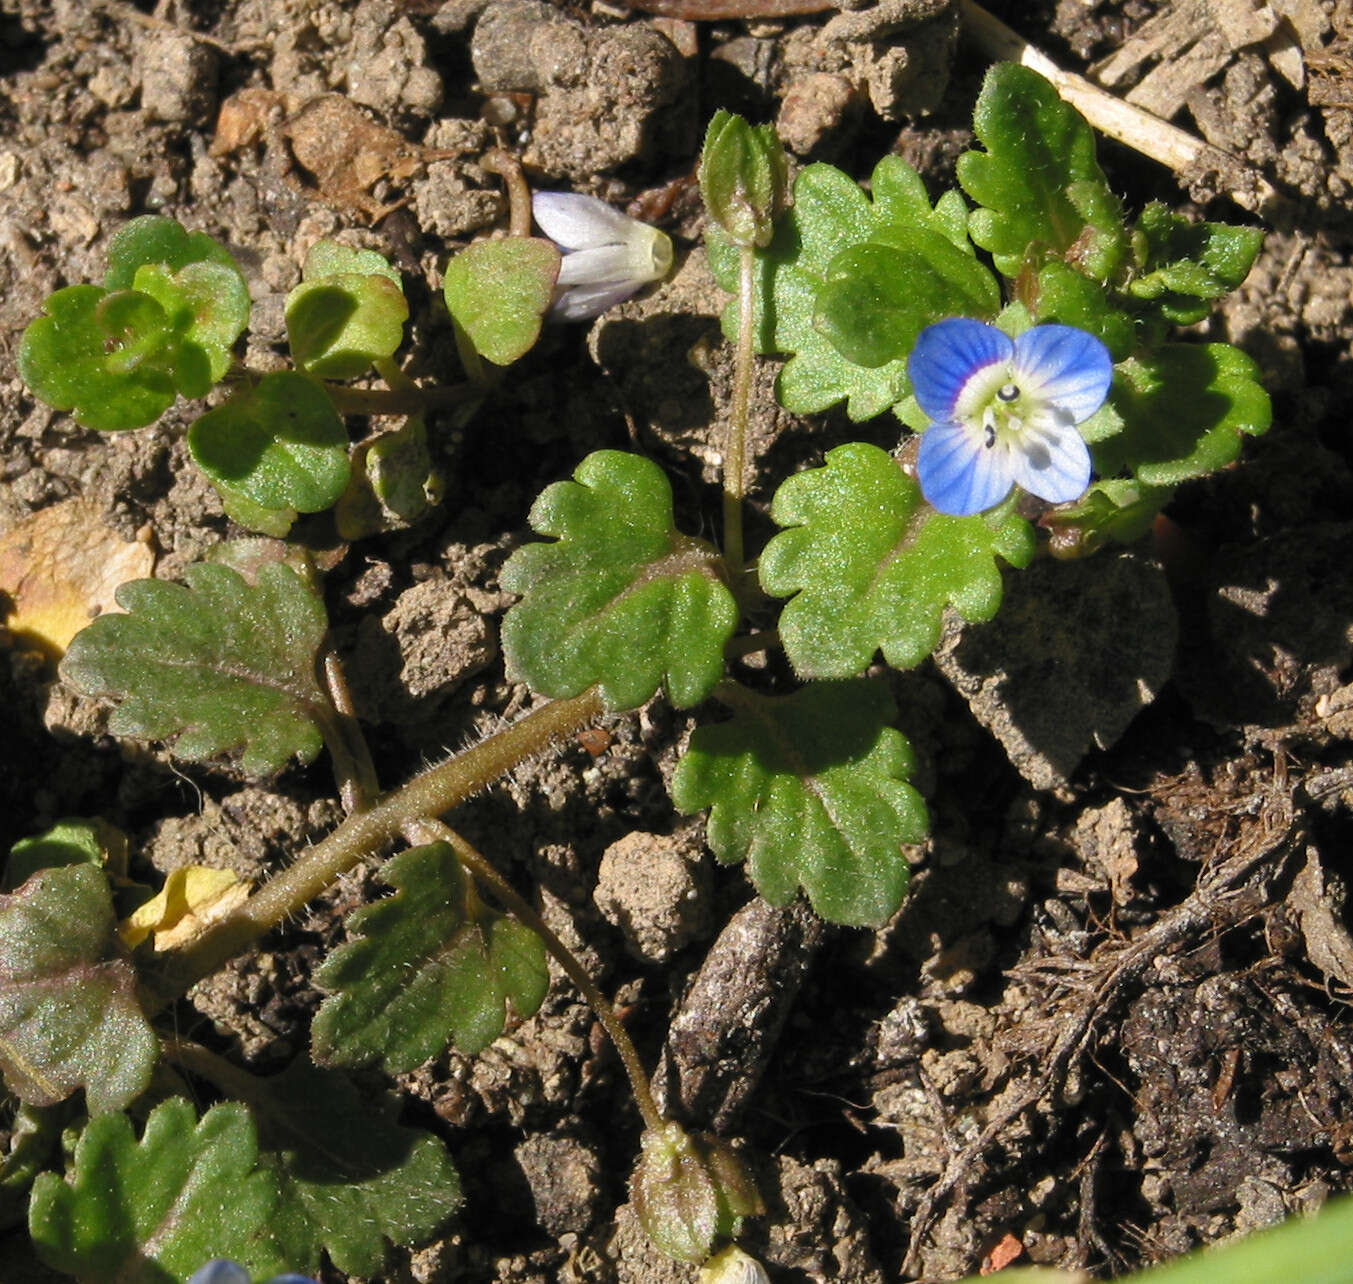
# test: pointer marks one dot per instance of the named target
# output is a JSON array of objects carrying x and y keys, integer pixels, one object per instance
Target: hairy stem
[
  {"x": 523, "y": 911},
  {"x": 365, "y": 833},
  {"x": 358, "y": 784},
  {"x": 735, "y": 448}
]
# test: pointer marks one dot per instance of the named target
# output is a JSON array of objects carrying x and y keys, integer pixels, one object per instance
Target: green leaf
[
  {"x": 811, "y": 790},
  {"x": 242, "y": 510},
  {"x": 68, "y": 842},
  {"x": 153, "y": 1212},
  {"x": 207, "y": 308},
  {"x": 220, "y": 663},
  {"x": 1185, "y": 265},
  {"x": 102, "y": 356},
  {"x": 69, "y": 1016},
  {"x": 1118, "y": 510},
  {"x": 329, "y": 258},
  {"x": 154, "y": 239},
  {"x": 498, "y": 293},
  {"x": 878, "y": 297},
  {"x": 873, "y": 566},
  {"x": 280, "y": 445},
  {"x": 432, "y": 965},
  {"x": 1184, "y": 410},
  {"x": 1039, "y": 187},
  {"x": 621, "y": 599},
  {"x": 349, "y": 1176},
  {"x": 831, "y": 216},
  {"x": 339, "y": 325},
  {"x": 1067, "y": 297}
]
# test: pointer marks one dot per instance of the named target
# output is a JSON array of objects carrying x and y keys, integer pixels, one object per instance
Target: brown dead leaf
[
  {"x": 1318, "y": 898},
  {"x": 244, "y": 118},
  {"x": 60, "y": 568},
  {"x": 331, "y": 148}
]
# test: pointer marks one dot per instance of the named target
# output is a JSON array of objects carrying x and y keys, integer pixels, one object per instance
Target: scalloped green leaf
[
  {"x": 1186, "y": 265},
  {"x": 350, "y": 1178},
  {"x": 1038, "y": 186},
  {"x": 219, "y": 663},
  {"x": 107, "y": 358},
  {"x": 155, "y": 239},
  {"x": 207, "y": 308},
  {"x": 620, "y": 599},
  {"x": 279, "y": 445},
  {"x": 340, "y": 325},
  {"x": 69, "y": 1016},
  {"x": 811, "y": 790},
  {"x": 152, "y": 1212},
  {"x": 878, "y": 297},
  {"x": 1184, "y": 411},
  {"x": 1067, "y": 297},
  {"x": 432, "y": 965},
  {"x": 498, "y": 293},
  {"x": 832, "y": 215},
  {"x": 871, "y": 566}
]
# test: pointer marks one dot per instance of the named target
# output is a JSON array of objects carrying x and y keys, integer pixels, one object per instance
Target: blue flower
[
  {"x": 1004, "y": 412},
  {"x": 607, "y": 254},
  {"x": 221, "y": 1271}
]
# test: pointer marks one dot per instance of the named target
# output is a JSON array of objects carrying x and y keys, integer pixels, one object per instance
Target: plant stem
[
  {"x": 735, "y": 448},
  {"x": 365, "y": 833},
  {"x": 508, "y": 168},
  {"x": 358, "y": 784},
  {"x": 484, "y": 872}
]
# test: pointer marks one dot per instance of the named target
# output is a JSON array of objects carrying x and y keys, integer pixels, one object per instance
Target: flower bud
[
  {"x": 744, "y": 178},
  {"x": 732, "y": 1266},
  {"x": 690, "y": 1192}
]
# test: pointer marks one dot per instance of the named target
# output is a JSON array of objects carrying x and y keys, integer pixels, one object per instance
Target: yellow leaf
[
  {"x": 192, "y": 897},
  {"x": 59, "y": 569}
]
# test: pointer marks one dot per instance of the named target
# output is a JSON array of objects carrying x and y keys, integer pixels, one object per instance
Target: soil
[{"x": 1112, "y": 1020}]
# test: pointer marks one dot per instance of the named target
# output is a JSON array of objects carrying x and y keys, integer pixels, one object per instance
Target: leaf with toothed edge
[
  {"x": 430, "y": 965},
  {"x": 350, "y": 1178},
  {"x": 811, "y": 790},
  {"x": 804, "y": 291},
  {"x": 218, "y": 663},
  {"x": 153, "y": 1211},
  {"x": 871, "y": 566},
  {"x": 620, "y": 599}
]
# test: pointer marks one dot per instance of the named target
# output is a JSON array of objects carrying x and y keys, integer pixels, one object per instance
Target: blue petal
[
  {"x": 220, "y": 1271},
  {"x": 1065, "y": 367},
  {"x": 1052, "y": 463},
  {"x": 947, "y": 354},
  {"x": 959, "y": 473}
]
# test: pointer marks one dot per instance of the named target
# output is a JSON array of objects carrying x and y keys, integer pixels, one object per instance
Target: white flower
[
  {"x": 1005, "y": 411},
  {"x": 607, "y": 254}
]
